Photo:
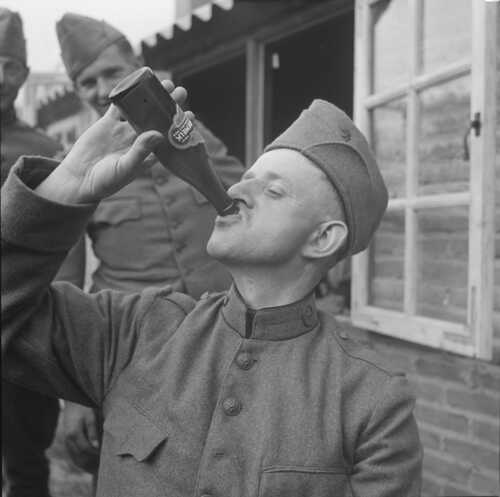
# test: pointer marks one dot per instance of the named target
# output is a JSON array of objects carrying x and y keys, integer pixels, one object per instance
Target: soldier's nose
[
  {"x": 240, "y": 192},
  {"x": 103, "y": 89}
]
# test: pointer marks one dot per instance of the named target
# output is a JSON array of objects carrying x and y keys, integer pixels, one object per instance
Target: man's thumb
[{"x": 143, "y": 145}]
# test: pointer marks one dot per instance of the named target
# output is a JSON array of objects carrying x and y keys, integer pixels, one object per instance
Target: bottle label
[{"x": 180, "y": 130}]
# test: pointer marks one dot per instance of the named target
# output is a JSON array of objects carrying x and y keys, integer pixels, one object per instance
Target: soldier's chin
[
  {"x": 219, "y": 246},
  {"x": 213, "y": 247}
]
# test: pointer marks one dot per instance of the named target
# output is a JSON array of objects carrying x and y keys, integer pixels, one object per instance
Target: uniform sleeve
[
  {"x": 56, "y": 339},
  {"x": 228, "y": 168},
  {"x": 388, "y": 458},
  {"x": 72, "y": 269}
]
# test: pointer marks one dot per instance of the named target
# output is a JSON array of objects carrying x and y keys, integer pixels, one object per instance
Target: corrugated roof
[
  {"x": 241, "y": 20},
  {"x": 185, "y": 10}
]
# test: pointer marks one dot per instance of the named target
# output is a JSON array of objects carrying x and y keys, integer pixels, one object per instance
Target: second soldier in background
[
  {"x": 154, "y": 231},
  {"x": 25, "y": 436}
]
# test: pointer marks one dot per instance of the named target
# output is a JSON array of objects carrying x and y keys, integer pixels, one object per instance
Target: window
[{"x": 425, "y": 98}]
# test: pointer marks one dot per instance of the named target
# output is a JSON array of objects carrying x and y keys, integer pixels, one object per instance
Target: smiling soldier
[{"x": 250, "y": 392}]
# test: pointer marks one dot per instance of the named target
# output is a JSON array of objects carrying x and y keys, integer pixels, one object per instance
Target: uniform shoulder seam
[
  {"x": 371, "y": 363},
  {"x": 358, "y": 357},
  {"x": 182, "y": 301}
]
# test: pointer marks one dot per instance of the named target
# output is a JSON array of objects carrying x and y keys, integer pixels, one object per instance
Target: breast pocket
[
  {"x": 131, "y": 453},
  {"x": 301, "y": 481},
  {"x": 116, "y": 230},
  {"x": 117, "y": 211}
]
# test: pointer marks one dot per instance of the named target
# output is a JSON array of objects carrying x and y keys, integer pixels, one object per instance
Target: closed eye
[{"x": 275, "y": 191}]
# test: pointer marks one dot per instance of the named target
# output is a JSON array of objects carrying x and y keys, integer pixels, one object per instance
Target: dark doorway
[
  {"x": 217, "y": 96},
  {"x": 315, "y": 63}
]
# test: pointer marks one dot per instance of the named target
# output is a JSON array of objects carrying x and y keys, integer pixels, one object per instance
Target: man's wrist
[{"x": 61, "y": 187}]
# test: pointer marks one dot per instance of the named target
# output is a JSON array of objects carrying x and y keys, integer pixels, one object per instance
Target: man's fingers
[
  {"x": 73, "y": 451},
  {"x": 179, "y": 94},
  {"x": 78, "y": 439},
  {"x": 189, "y": 115},
  {"x": 144, "y": 144},
  {"x": 90, "y": 426},
  {"x": 86, "y": 461},
  {"x": 168, "y": 85},
  {"x": 150, "y": 160}
]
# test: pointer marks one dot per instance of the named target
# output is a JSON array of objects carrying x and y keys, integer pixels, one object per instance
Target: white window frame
[{"x": 475, "y": 337}]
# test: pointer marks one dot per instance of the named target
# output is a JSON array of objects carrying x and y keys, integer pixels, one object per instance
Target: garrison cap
[
  {"x": 12, "y": 42},
  {"x": 82, "y": 39},
  {"x": 328, "y": 137}
]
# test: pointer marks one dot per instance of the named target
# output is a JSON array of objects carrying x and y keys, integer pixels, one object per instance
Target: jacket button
[
  {"x": 231, "y": 406},
  {"x": 160, "y": 180},
  {"x": 244, "y": 361}
]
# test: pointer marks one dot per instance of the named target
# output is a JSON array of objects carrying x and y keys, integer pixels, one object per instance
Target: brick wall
[{"x": 457, "y": 410}]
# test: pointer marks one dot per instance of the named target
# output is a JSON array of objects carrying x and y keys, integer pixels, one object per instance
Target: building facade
[
  {"x": 64, "y": 117},
  {"x": 421, "y": 78},
  {"x": 38, "y": 89}
]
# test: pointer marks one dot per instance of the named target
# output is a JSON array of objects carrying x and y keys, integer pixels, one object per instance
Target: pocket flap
[
  {"x": 132, "y": 432},
  {"x": 116, "y": 211}
]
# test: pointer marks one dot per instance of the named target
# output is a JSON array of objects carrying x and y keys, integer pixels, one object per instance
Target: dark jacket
[
  {"x": 191, "y": 406},
  {"x": 19, "y": 138}
]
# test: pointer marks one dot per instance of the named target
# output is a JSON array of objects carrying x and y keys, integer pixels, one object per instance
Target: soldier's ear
[{"x": 325, "y": 240}]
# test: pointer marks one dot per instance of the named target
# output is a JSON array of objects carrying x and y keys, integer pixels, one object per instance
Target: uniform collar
[
  {"x": 8, "y": 116},
  {"x": 271, "y": 323}
]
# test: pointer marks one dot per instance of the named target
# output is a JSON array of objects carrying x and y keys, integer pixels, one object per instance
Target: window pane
[
  {"x": 442, "y": 267},
  {"x": 444, "y": 119},
  {"x": 447, "y": 28},
  {"x": 390, "y": 44},
  {"x": 388, "y": 133},
  {"x": 386, "y": 287}
]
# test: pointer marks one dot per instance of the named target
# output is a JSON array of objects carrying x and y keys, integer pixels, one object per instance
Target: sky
[{"x": 137, "y": 19}]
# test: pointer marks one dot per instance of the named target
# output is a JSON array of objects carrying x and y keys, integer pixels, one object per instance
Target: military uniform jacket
[
  {"x": 18, "y": 138},
  {"x": 155, "y": 230},
  {"x": 200, "y": 399}
]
